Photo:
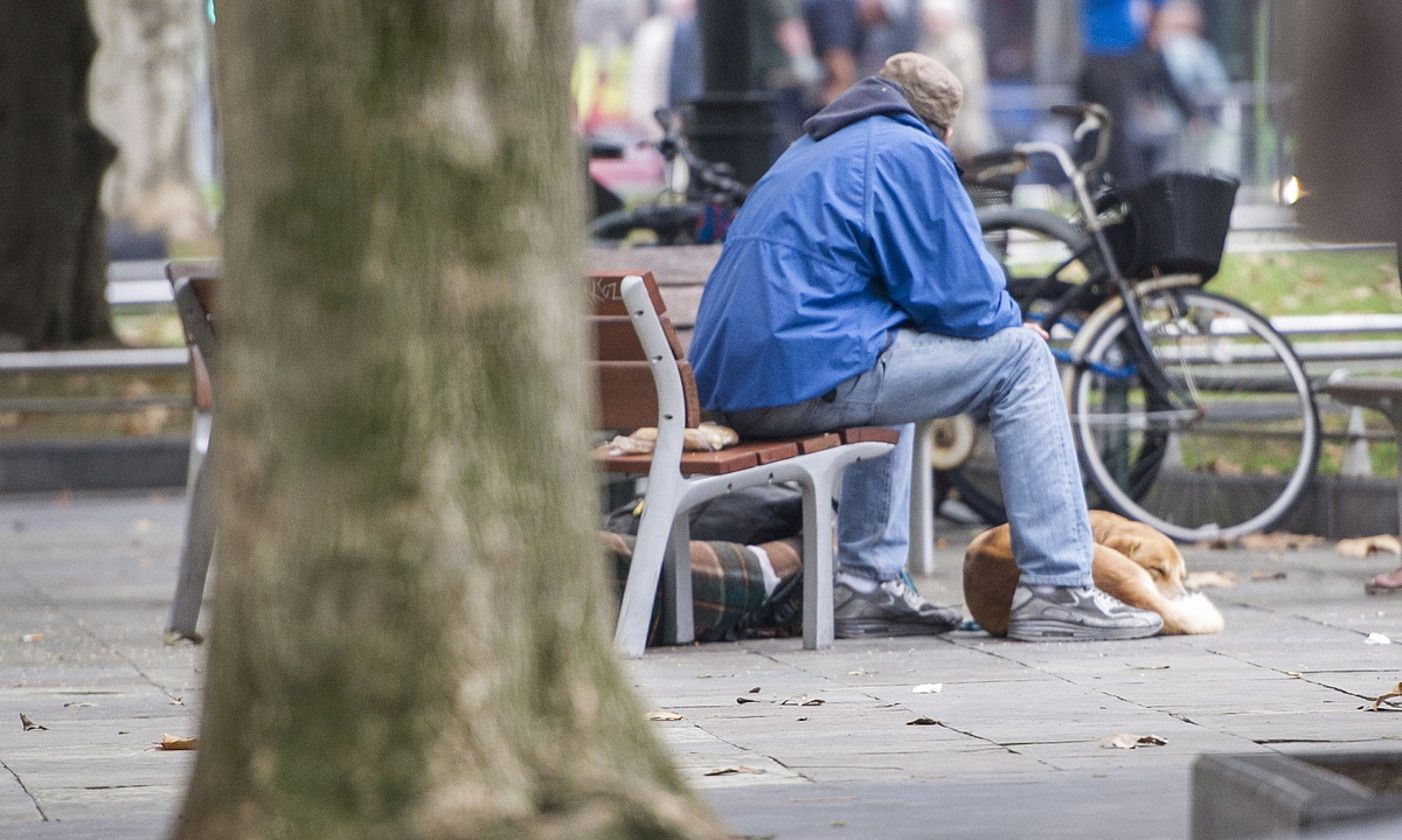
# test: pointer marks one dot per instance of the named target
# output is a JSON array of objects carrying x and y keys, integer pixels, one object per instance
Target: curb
[{"x": 52, "y": 466}]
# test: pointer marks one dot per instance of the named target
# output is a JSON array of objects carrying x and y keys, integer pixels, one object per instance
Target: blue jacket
[{"x": 861, "y": 227}]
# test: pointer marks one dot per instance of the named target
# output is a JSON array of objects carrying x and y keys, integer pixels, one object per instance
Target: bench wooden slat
[
  {"x": 201, "y": 390},
  {"x": 615, "y": 340},
  {"x": 818, "y": 443},
  {"x": 879, "y": 434},
  {"x": 731, "y": 459},
  {"x": 628, "y": 396},
  {"x": 204, "y": 290}
]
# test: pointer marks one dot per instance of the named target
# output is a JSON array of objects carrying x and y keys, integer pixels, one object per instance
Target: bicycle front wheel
[{"x": 1227, "y": 462}]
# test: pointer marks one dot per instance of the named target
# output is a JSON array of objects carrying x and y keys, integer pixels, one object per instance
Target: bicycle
[
  {"x": 1191, "y": 413},
  {"x": 696, "y": 206}
]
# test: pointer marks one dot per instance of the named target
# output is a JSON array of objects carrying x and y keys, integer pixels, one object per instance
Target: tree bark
[
  {"x": 410, "y": 619},
  {"x": 143, "y": 81},
  {"x": 52, "y": 259}
]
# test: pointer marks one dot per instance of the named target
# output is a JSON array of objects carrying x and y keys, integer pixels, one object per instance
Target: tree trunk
[
  {"x": 52, "y": 260},
  {"x": 143, "y": 81},
  {"x": 410, "y": 619}
]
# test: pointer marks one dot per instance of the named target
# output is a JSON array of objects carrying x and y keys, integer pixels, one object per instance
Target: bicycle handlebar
[
  {"x": 715, "y": 177},
  {"x": 1090, "y": 116}
]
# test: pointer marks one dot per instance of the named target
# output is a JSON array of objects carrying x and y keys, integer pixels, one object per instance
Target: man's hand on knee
[{"x": 1037, "y": 328}]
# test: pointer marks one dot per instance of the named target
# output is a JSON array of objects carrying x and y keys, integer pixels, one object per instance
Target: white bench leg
[
  {"x": 195, "y": 556},
  {"x": 654, "y": 532},
  {"x": 678, "y": 617},
  {"x": 817, "y": 561},
  {"x": 921, "y": 559}
]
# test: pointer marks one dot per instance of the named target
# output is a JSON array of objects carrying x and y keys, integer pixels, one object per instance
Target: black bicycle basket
[{"x": 1176, "y": 223}]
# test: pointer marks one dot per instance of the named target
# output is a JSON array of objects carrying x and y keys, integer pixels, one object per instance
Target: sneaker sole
[
  {"x": 1055, "y": 631},
  {"x": 857, "y": 628}
]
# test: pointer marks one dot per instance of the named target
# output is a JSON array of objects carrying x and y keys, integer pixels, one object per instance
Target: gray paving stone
[{"x": 1015, "y": 753}]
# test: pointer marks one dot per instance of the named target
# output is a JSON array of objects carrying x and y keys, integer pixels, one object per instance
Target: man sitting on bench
[{"x": 854, "y": 289}]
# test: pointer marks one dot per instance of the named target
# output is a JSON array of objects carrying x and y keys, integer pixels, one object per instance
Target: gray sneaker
[
  {"x": 894, "y": 608},
  {"x": 1069, "y": 614}
]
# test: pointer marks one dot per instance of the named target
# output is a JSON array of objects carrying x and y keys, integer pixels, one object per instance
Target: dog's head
[
  {"x": 1155, "y": 553},
  {"x": 1158, "y": 556}
]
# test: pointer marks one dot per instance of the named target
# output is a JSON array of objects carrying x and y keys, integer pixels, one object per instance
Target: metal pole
[{"x": 733, "y": 119}]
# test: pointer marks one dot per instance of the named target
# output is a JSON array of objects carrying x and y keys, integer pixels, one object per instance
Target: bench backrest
[
  {"x": 193, "y": 285},
  {"x": 626, "y": 388},
  {"x": 624, "y": 372}
]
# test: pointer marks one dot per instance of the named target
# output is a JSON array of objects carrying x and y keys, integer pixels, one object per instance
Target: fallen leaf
[
  {"x": 1261, "y": 574},
  {"x": 1147, "y": 667},
  {"x": 1126, "y": 741},
  {"x": 928, "y": 688},
  {"x": 175, "y": 742},
  {"x": 1210, "y": 580},
  {"x": 747, "y": 700},
  {"x": 922, "y": 721},
  {"x": 662, "y": 714},
  {"x": 754, "y": 690},
  {"x": 1382, "y": 698},
  {"x": 1363, "y": 546},
  {"x": 860, "y": 672},
  {"x": 177, "y": 701},
  {"x": 1377, "y": 639},
  {"x": 79, "y": 705},
  {"x": 802, "y": 719},
  {"x": 1294, "y": 674},
  {"x": 802, "y": 700},
  {"x": 29, "y": 725},
  {"x": 730, "y": 771}
]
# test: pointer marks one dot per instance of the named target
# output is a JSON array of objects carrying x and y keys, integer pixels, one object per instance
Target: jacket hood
[{"x": 867, "y": 98}]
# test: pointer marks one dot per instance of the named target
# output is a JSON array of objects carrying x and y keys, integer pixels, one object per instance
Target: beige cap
[{"x": 930, "y": 88}]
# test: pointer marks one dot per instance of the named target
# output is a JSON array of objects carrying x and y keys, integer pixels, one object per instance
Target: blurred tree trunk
[
  {"x": 143, "y": 84},
  {"x": 410, "y": 623},
  {"x": 52, "y": 260},
  {"x": 1350, "y": 119}
]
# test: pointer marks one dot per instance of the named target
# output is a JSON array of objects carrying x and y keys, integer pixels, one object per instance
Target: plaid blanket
[{"x": 728, "y": 588}]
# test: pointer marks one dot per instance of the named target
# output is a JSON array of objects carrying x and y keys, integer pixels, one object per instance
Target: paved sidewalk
[{"x": 1014, "y": 752}]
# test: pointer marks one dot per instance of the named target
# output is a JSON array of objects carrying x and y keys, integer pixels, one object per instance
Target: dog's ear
[{"x": 1129, "y": 546}]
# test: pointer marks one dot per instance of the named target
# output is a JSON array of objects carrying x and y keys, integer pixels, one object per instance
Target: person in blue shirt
[
  {"x": 854, "y": 289},
  {"x": 1126, "y": 74}
]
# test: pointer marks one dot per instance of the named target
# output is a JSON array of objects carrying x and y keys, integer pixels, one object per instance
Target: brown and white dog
[{"x": 1132, "y": 562}]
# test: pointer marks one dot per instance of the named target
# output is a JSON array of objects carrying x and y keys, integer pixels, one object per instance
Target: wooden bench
[
  {"x": 192, "y": 285},
  {"x": 1383, "y": 395},
  {"x": 645, "y": 380}
]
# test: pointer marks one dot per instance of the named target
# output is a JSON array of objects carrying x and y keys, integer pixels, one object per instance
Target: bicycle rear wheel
[
  {"x": 1043, "y": 256},
  {"x": 1231, "y": 463}
]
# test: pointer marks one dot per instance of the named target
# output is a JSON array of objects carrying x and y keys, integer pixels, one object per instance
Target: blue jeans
[{"x": 1009, "y": 376}]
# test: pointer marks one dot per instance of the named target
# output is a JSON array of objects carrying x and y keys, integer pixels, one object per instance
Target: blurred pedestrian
[
  {"x": 650, "y": 66},
  {"x": 839, "y": 29},
  {"x": 785, "y": 65},
  {"x": 1128, "y": 76},
  {"x": 1196, "y": 69},
  {"x": 950, "y": 37}
]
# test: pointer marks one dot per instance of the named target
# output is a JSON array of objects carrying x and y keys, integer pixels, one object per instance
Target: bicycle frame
[{"x": 1138, "y": 341}]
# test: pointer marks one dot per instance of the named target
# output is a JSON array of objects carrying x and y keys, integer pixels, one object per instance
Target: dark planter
[{"x": 1288, "y": 796}]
